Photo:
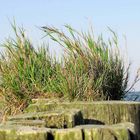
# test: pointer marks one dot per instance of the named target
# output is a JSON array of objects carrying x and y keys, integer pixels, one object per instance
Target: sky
[{"x": 123, "y": 16}]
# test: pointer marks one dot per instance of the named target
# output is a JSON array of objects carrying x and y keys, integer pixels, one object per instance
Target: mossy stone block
[
  {"x": 37, "y": 123},
  {"x": 73, "y": 117},
  {"x": 68, "y": 134},
  {"x": 101, "y": 112},
  {"x": 123, "y": 131},
  {"x": 23, "y": 133},
  {"x": 52, "y": 119},
  {"x": 110, "y": 134}
]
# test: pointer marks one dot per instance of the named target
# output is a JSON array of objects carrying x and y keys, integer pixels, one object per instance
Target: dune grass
[
  {"x": 93, "y": 70},
  {"x": 89, "y": 70},
  {"x": 25, "y": 72}
]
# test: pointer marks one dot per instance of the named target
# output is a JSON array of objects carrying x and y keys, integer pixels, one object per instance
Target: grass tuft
[
  {"x": 94, "y": 70},
  {"x": 89, "y": 70}
]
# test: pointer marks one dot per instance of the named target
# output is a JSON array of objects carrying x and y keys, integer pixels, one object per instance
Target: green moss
[
  {"x": 110, "y": 134},
  {"x": 68, "y": 134},
  {"x": 53, "y": 119},
  {"x": 70, "y": 114},
  {"x": 32, "y": 108},
  {"x": 73, "y": 117},
  {"x": 107, "y": 112},
  {"x": 38, "y": 123},
  {"x": 84, "y": 132},
  {"x": 48, "y": 100},
  {"x": 12, "y": 132},
  {"x": 87, "y": 134},
  {"x": 123, "y": 131}
]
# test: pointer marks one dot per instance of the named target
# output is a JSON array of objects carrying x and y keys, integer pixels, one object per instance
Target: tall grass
[
  {"x": 26, "y": 72},
  {"x": 90, "y": 69},
  {"x": 94, "y": 70}
]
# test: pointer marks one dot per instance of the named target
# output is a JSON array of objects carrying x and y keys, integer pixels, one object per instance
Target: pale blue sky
[{"x": 123, "y": 16}]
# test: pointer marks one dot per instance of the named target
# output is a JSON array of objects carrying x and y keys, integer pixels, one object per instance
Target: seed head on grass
[
  {"x": 89, "y": 70},
  {"x": 25, "y": 71},
  {"x": 94, "y": 70}
]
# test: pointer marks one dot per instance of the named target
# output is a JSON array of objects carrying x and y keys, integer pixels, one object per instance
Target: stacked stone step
[
  {"x": 49, "y": 119},
  {"x": 97, "y": 112},
  {"x": 123, "y": 131},
  {"x": 57, "y": 120}
]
